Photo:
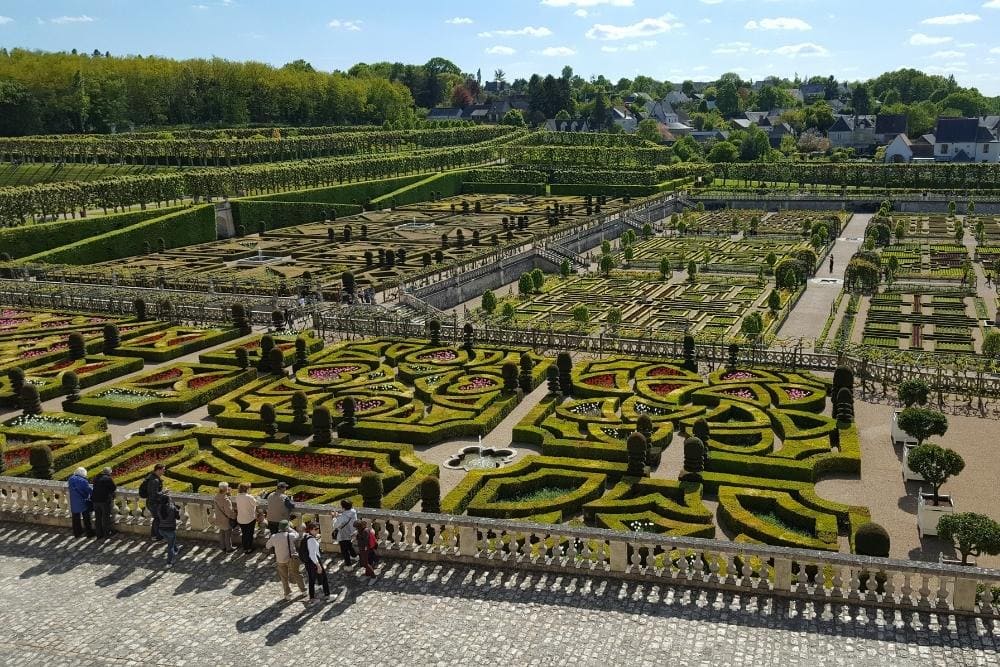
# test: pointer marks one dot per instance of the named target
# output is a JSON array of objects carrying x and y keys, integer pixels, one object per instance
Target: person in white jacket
[
  {"x": 344, "y": 530},
  {"x": 246, "y": 516},
  {"x": 314, "y": 563}
]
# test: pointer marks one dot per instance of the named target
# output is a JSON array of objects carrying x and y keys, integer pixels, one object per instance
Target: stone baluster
[
  {"x": 733, "y": 577},
  {"x": 837, "y": 582},
  {"x": 942, "y": 592},
  {"x": 635, "y": 559},
  {"x": 889, "y": 588},
  {"x": 714, "y": 565},
  {"x": 924, "y": 601},
  {"x": 854, "y": 587},
  {"x": 906, "y": 597}
]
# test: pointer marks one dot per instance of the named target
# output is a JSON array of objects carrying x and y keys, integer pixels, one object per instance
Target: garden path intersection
[{"x": 112, "y": 603}]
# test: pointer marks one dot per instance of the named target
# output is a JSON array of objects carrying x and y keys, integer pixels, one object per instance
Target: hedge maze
[
  {"x": 747, "y": 255},
  {"x": 909, "y": 320},
  {"x": 766, "y": 442}
]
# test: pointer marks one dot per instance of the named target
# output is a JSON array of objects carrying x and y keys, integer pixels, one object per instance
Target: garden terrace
[
  {"x": 909, "y": 320},
  {"x": 14, "y": 175},
  {"x": 727, "y": 223},
  {"x": 747, "y": 255},
  {"x": 942, "y": 261},
  {"x": 314, "y": 255},
  {"x": 709, "y": 307},
  {"x": 769, "y": 442},
  {"x": 800, "y": 223},
  {"x": 407, "y": 392},
  {"x": 925, "y": 226}
]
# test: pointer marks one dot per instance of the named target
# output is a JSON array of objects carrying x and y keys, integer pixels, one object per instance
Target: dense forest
[{"x": 66, "y": 93}]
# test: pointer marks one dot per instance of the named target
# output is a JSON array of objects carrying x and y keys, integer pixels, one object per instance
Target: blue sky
[{"x": 666, "y": 39}]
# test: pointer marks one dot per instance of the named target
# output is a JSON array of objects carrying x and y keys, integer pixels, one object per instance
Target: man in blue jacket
[{"x": 80, "y": 506}]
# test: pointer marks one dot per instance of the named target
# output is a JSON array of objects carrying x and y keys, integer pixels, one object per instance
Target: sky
[{"x": 665, "y": 39}]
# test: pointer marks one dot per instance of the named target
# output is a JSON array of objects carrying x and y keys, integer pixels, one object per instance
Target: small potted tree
[
  {"x": 972, "y": 534},
  {"x": 918, "y": 424},
  {"x": 936, "y": 465},
  {"x": 912, "y": 393}
]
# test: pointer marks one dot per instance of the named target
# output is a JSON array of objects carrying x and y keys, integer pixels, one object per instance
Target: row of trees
[{"x": 913, "y": 176}]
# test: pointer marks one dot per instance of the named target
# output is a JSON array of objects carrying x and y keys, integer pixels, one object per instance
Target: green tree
[
  {"x": 564, "y": 269},
  {"x": 972, "y": 534},
  {"x": 921, "y": 423},
  {"x": 935, "y": 464},
  {"x": 913, "y": 391},
  {"x": 525, "y": 284},
  {"x": 614, "y": 316},
  {"x": 537, "y": 280},
  {"x": 774, "y": 301},
  {"x": 665, "y": 271},
  {"x": 649, "y": 130},
  {"x": 513, "y": 118},
  {"x": 508, "y": 311},
  {"x": 581, "y": 314},
  {"x": 489, "y": 302},
  {"x": 607, "y": 263}
]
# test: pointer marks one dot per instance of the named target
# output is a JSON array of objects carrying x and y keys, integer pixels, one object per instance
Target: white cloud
[
  {"x": 704, "y": 21},
  {"x": 711, "y": 2},
  {"x": 588, "y": 3},
  {"x": 340, "y": 24},
  {"x": 996, "y": 50},
  {"x": 779, "y": 23},
  {"x": 527, "y": 31},
  {"x": 644, "y": 28},
  {"x": 631, "y": 48},
  {"x": 82, "y": 18},
  {"x": 557, "y": 51},
  {"x": 5, "y": 19},
  {"x": 731, "y": 47},
  {"x": 501, "y": 51},
  {"x": 803, "y": 50},
  {"x": 992, "y": 4},
  {"x": 460, "y": 20},
  {"x": 952, "y": 19},
  {"x": 947, "y": 68},
  {"x": 582, "y": 13},
  {"x": 946, "y": 55},
  {"x": 920, "y": 39}
]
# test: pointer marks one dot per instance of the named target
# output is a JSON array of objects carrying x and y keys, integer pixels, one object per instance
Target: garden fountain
[
  {"x": 480, "y": 458},
  {"x": 164, "y": 428}
]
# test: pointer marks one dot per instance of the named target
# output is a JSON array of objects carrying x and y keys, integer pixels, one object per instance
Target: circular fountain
[
  {"x": 480, "y": 458},
  {"x": 164, "y": 428}
]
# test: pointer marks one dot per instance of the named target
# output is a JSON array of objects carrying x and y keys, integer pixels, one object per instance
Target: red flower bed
[
  {"x": 664, "y": 371},
  {"x": 61, "y": 364},
  {"x": 10, "y": 323},
  {"x": 90, "y": 368},
  {"x": 180, "y": 340},
  {"x": 146, "y": 460},
  {"x": 324, "y": 465},
  {"x": 163, "y": 376},
  {"x": 31, "y": 354},
  {"x": 663, "y": 389},
  {"x": 207, "y": 469},
  {"x": 54, "y": 324},
  {"x": 148, "y": 340},
  {"x": 439, "y": 355},
  {"x": 203, "y": 380},
  {"x": 606, "y": 381}
]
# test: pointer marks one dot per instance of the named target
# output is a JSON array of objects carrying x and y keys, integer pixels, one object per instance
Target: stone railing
[{"x": 816, "y": 576}]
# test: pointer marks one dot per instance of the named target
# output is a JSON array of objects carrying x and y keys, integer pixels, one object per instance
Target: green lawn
[{"x": 30, "y": 174}]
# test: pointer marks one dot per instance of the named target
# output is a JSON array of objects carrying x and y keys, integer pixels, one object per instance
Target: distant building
[
  {"x": 675, "y": 97},
  {"x": 857, "y": 132},
  {"x": 624, "y": 119},
  {"x": 902, "y": 149},
  {"x": 661, "y": 111},
  {"x": 571, "y": 125},
  {"x": 965, "y": 140},
  {"x": 445, "y": 113},
  {"x": 812, "y": 92},
  {"x": 888, "y": 126}
]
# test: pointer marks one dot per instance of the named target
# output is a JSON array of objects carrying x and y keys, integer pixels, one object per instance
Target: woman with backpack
[
  {"x": 309, "y": 554},
  {"x": 367, "y": 545}
]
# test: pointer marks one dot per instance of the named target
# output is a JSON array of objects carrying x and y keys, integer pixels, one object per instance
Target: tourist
[
  {"x": 168, "y": 512},
  {"x": 103, "y": 497},
  {"x": 80, "y": 503},
  {"x": 831, "y": 263},
  {"x": 225, "y": 517},
  {"x": 285, "y": 542},
  {"x": 246, "y": 516},
  {"x": 344, "y": 531},
  {"x": 151, "y": 490},
  {"x": 279, "y": 507},
  {"x": 367, "y": 543},
  {"x": 310, "y": 554}
]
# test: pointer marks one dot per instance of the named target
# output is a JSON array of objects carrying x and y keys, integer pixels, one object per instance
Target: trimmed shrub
[
  {"x": 277, "y": 320},
  {"x": 564, "y": 364},
  {"x": 844, "y": 406},
  {"x": 371, "y": 490},
  {"x": 509, "y": 373},
  {"x": 346, "y": 427},
  {"x": 467, "y": 339},
  {"x": 240, "y": 320},
  {"x": 71, "y": 385},
  {"x": 268, "y": 417},
  {"x": 40, "y": 460},
  {"x": 842, "y": 377},
  {"x": 266, "y": 345},
  {"x": 734, "y": 354},
  {"x": 242, "y": 358},
  {"x": 300, "y": 403},
  {"x": 31, "y": 404},
  {"x": 276, "y": 361},
  {"x": 636, "y": 446},
  {"x": 434, "y": 327},
  {"x": 913, "y": 392},
  {"x": 16, "y": 378},
  {"x": 690, "y": 358},
  {"x": 112, "y": 338},
  {"x": 77, "y": 347},
  {"x": 972, "y": 534},
  {"x": 552, "y": 377},
  {"x": 430, "y": 495},
  {"x": 694, "y": 459},
  {"x": 139, "y": 308},
  {"x": 921, "y": 423},
  {"x": 322, "y": 425},
  {"x": 936, "y": 465},
  {"x": 871, "y": 539},
  {"x": 301, "y": 352},
  {"x": 526, "y": 379}
]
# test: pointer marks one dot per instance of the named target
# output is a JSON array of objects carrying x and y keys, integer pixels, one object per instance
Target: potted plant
[
  {"x": 936, "y": 465},
  {"x": 917, "y": 424},
  {"x": 972, "y": 534},
  {"x": 912, "y": 392}
]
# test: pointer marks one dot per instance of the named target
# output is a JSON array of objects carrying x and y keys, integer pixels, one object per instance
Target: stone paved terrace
[{"x": 77, "y": 602}]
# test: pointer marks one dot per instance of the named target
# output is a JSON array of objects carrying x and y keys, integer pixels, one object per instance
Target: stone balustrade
[{"x": 819, "y": 577}]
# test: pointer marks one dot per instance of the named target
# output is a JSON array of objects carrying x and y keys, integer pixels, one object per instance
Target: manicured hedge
[
  {"x": 581, "y": 487},
  {"x": 445, "y": 184},
  {"x": 278, "y": 214},
  {"x": 154, "y": 354},
  {"x": 504, "y": 188},
  {"x": 182, "y": 228},
  {"x": 33, "y": 239},
  {"x": 350, "y": 193},
  {"x": 116, "y": 367},
  {"x": 737, "y": 509}
]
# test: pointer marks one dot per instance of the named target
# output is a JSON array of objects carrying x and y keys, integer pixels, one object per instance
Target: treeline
[
  {"x": 127, "y": 149},
  {"x": 57, "y": 93},
  {"x": 906, "y": 176}
]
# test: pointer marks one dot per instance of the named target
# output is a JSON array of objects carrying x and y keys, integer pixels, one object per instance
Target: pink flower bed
[
  {"x": 605, "y": 381},
  {"x": 55, "y": 324},
  {"x": 362, "y": 405},
  {"x": 478, "y": 383},
  {"x": 664, "y": 371},
  {"x": 739, "y": 375},
  {"x": 331, "y": 372},
  {"x": 11, "y": 322},
  {"x": 439, "y": 355},
  {"x": 797, "y": 394},
  {"x": 745, "y": 394}
]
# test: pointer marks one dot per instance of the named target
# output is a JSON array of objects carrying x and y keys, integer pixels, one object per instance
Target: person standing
[
  {"x": 80, "y": 503},
  {"x": 310, "y": 553},
  {"x": 285, "y": 542},
  {"x": 225, "y": 517},
  {"x": 103, "y": 496},
  {"x": 169, "y": 513},
  {"x": 344, "y": 531},
  {"x": 279, "y": 507},
  {"x": 151, "y": 490},
  {"x": 246, "y": 516},
  {"x": 366, "y": 548},
  {"x": 831, "y": 263}
]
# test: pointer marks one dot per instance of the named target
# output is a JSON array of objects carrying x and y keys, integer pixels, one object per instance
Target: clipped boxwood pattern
[
  {"x": 166, "y": 344},
  {"x": 91, "y": 370}
]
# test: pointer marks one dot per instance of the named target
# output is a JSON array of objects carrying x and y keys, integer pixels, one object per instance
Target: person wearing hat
[
  {"x": 103, "y": 497},
  {"x": 225, "y": 517},
  {"x": 279, "y": 507},
  {"x": 285, "y": 543},
  {"x": 80, "y": 505}
]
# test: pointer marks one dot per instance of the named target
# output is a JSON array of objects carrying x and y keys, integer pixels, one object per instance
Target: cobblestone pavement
[{"x": 69, "y": 602}]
